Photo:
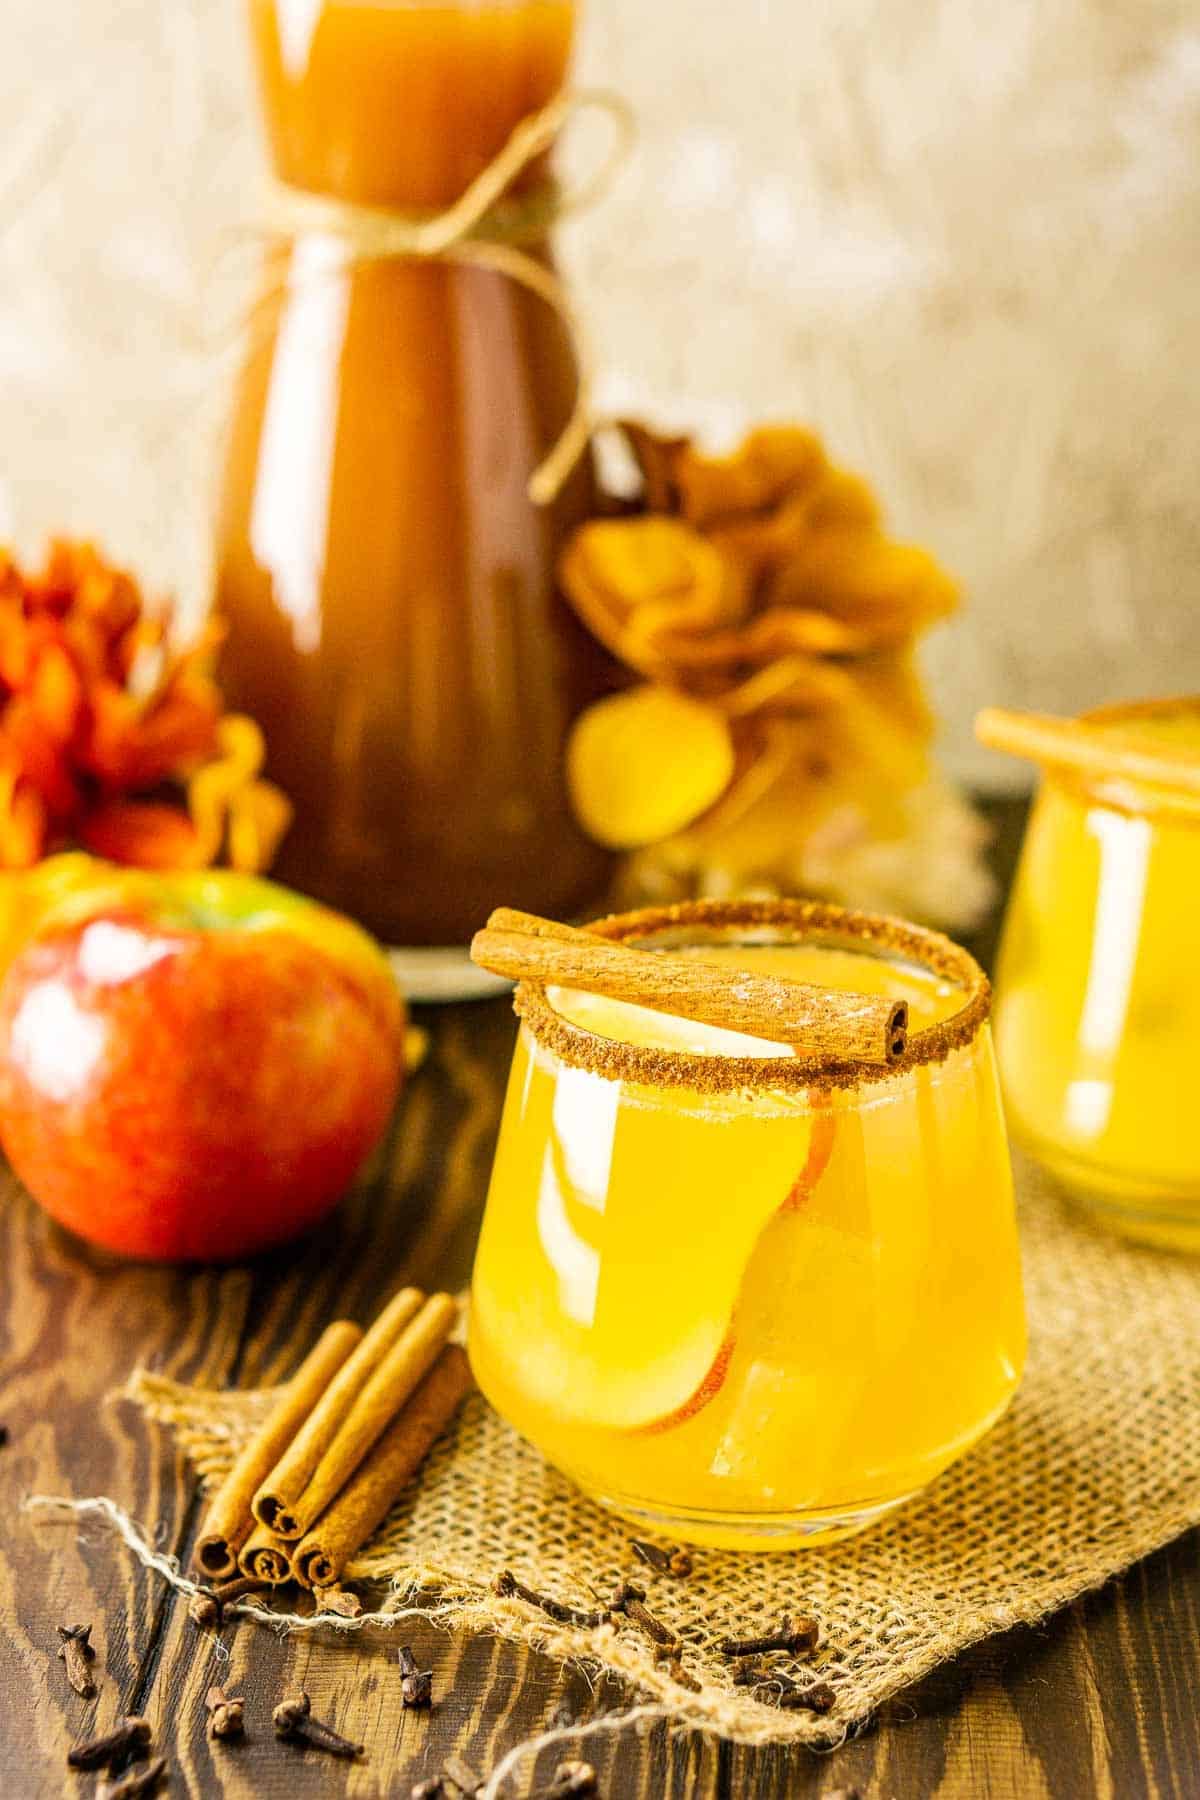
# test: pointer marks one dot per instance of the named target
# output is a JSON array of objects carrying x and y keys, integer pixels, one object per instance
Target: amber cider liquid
[{"x": 393, "y": 619}]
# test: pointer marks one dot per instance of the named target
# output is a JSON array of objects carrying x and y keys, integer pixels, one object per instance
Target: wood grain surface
[{"x": 1103, "y": 1699}]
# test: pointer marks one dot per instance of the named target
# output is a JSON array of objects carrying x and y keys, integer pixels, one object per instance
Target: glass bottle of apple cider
[{"x": 393, "y": 621}]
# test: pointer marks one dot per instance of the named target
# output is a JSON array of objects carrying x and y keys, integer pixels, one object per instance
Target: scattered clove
[
  {"x": 338, "y": 1600},
  {"x": 666, "y": 1559},
  {"x": 749, "y": 1671},
  {"x": 293, "y": 1720},
  {"x": 508, "y": 1587},
  {"x": 204, "y": 1609},
  {"x": 139, "y": 1781},
  {"x": 462, "y": 1775},
  {"x": 131, "y": 1735},
  {"x": 819, "y": 1697},
  {"x": 76, "y": 1653},
  {"x": 207, "y": 1605},
  {"x": 630, "y": 1599},
  {"x": 684, "y": 1677},
  {"x": 572, "y": 1781},
  {"x": 416, "y": 1687},
  {"x": 794, "y": 1638},
  {"x": 226, "y": 1714}
]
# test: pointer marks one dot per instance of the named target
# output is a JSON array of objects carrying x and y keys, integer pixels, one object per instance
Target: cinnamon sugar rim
[{"x": 618, "y": 1061}]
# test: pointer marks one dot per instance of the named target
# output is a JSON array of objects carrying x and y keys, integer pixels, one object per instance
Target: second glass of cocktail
[{"x": 744, "y": 1295}]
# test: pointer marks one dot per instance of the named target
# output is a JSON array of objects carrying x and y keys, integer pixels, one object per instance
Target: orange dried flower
[
  {"x": 106, "y": 731},
  {"x": 734, "y": 562},
  {"x": 761, "y": 593}
]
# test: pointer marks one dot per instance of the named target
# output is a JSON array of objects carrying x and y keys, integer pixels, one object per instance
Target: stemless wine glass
[
  {"x": 742, "y": 1296},
  {"x": 1097, "y": 1006}
]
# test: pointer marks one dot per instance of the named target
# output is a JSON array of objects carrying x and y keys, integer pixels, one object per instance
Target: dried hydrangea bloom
[{"x": 779, "y": 738}]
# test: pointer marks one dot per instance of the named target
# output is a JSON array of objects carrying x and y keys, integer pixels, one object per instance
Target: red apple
[{"x": 194, "y": 1066}]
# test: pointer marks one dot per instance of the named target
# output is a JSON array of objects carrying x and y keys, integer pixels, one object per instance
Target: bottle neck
[{"x": 403, "y": 104}]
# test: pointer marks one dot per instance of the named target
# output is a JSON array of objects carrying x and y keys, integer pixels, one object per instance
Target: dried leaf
[
  {"x": 769, "y": 465},
  {"x": 888, "y": 591},
  {"x": 657, "y": 458},
  {"x": 645, "y": 763},
  {"x": 615, "y": 570}
]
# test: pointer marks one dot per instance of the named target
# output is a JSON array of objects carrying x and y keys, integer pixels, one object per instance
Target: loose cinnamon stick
[
  {"x": 284, "y": 1483},
  {"x": 228, "y": 1522},
  {"x": 403, "y": 1368},
  {"x": 266, "y": 1557},
  {"x": 816, "y": 1021},
  {"x": 1078, "y": 744},
  {"x": 367, "y": 1498}
]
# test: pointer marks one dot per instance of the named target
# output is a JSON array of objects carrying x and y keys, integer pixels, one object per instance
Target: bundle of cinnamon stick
[{"x": 344, "y": 1438}]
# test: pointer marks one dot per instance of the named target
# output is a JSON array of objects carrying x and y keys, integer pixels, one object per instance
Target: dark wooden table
[{"x": 1100, "y": 1700}]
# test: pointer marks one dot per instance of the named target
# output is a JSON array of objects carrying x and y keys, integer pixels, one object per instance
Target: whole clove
[
  {"x": 207, "y": 1605},
  {"x": 684, "y": 1677},
  {"x": 130, "y": 1736},
  {"x": 572, "y": 1781},
  {"x": 204, "y": 1609},
  {"x": 432, "y": 1788},
  {"x": 338, "y": 1600},
  {"x": 508, "y": 1587},
  {"x": 665, "y": 1559},
  {"x": 226, "y": 1714},
  {"x": 139, "y": 1781},
  {"x": 630, "y": 1599},
  {"x": 76, "y": 1653},
  {"x": 293, "y": 1720},
  {"x": 416, "y": 1686},
  {"x": 817, "y": 1698},
  {"x": 795, "y": 1638},
  {"x": 749, "y": 1671}
]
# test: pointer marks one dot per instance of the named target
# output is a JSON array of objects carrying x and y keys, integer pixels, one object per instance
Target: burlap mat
[{"x": 1097, "y": 1463}]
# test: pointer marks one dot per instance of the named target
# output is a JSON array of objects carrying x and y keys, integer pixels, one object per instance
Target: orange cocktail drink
[
  {"x": 1098, "y": 1005},
  {"x": 745, "y": 1296}
]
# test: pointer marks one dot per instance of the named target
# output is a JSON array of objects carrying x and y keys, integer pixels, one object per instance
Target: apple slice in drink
[
  {"x": 627, "y": 1294},
  {"x": 820, "y": 1148}
]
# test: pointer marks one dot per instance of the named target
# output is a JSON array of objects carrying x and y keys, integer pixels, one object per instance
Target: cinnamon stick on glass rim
[
  {"x": 322, "y": 1555},
  {"x": 1079, "y": 744},
  {"x": 402, "y": 1370},
  {"x": 228, "y": 1521},
  {"x": 285, "y": 1481},
  {"x": 816, "y": 1021}
]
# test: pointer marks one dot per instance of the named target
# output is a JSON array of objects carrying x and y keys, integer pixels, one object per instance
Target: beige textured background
[{"x": 963, "y": 239}]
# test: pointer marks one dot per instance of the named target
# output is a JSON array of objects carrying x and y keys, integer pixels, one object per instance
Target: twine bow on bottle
[{"x": 486, "y": 227}]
